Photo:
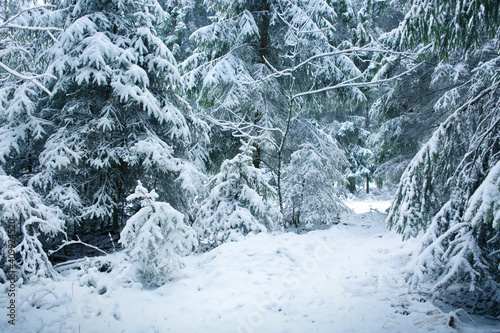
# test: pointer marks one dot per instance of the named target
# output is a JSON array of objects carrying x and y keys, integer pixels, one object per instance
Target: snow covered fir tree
[
  {"x": 240, "y": 202},
  {"x": 310, "y": 187},
  {"x": 197, "y": 155},
  {"x": 450, "y": 189},
  {"x": 156, "y": 237}
]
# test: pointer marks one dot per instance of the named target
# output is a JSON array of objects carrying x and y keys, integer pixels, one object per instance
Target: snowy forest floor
[{"x": 346, "y": 278}]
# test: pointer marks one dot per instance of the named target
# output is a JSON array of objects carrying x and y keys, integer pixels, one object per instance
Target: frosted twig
[
  {"x": 467, "y": 316},
  {"x": 357, "y": 50},
  {"x": 112, "y": 242}
]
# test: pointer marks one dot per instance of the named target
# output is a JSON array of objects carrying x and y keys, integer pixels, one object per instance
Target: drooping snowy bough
[{"x": 25, "y": 221}]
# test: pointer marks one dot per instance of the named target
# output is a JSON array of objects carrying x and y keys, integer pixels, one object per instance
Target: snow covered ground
[{"x": 344, "y": 279}]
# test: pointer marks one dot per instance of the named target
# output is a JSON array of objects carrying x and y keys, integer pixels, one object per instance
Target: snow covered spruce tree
[
  {"x": 253, "y": 70},
  {"x": 113, "y": 116},
  {"x": 240, "y": 201},
  {"x": 310, "y": 187},
  {"x": 450, "y": 190},
  {"x": 156, "y": 238},
  {"x": 406, "y": 113},
  {"x": 29, "y": 224},
  {"x": 352, "y": 138}
]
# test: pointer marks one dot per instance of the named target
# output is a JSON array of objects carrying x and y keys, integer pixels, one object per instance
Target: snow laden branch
[
  {"x": 9, "y": 25},
  {"x": 18, "y": 26},
  {"x": 34, "y": 222},
  {"x": 6, "y": 24},
  {"x": 24, "y": 77},
  {"x": 300, "y": 31},
  {"x": 242, "y": 127}
]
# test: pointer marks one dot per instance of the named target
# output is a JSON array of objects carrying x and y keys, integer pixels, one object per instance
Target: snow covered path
[{"x": 344, "y": 279}]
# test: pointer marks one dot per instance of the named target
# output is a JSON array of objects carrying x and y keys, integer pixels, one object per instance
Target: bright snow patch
[{"x": 344, "y": 279}]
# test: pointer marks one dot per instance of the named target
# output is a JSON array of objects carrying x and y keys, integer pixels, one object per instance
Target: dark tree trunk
[
  {"x": 367, "y": 184},
  {"x": 264, "y": 30},
  {"x": 352, "y": 184},
  {"x": 256, "y": 158}
]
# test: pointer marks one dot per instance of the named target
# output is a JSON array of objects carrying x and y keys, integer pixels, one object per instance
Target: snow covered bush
[
  {"x": 310, "y": 181},
  {"x": 156, "y": 238},
  {"x": 25, "y": 221},
  {"x": 241, "y": 201}
]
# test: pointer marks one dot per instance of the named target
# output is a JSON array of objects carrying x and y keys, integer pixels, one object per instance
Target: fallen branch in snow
[
  {"x": 70, "y": 264},
  {"x": 66, "y": 243}
]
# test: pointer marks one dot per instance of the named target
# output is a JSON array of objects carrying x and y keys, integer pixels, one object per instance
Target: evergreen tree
[
  {"x": 310, "y": 186},
  {"x": 253, "y": 70},
  {"x": 449, "y": 189},
  {"x": 240, "y": 202},
  {"x": 25, "y": 36},
  {"x": 185, "y": 17},
  {"x": 113, "y": 115},
  {"x": 156, "y": 237},
  {"x": 25, "y": 223},
  {"x": 406, "y": 113},
  {"x": 353, "y": 139}
]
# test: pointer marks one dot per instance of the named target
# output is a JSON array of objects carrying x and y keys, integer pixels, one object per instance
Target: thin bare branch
[
  {"x": 349, "y": 83},
  {"x": 351, "y": 51}
]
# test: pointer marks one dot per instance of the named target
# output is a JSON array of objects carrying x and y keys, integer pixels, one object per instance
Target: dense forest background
[{"x": 171, "y": 126}]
